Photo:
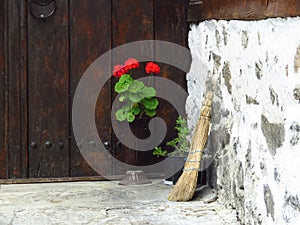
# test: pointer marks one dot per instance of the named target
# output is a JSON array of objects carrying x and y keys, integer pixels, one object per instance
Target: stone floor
[{"x": 104, "y": 203}]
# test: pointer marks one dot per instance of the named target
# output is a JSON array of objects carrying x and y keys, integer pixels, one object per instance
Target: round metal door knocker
[{"x": 42, "y": 9}]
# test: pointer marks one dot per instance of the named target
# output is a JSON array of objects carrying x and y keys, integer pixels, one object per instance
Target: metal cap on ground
[{"x": 135, "y": 177}]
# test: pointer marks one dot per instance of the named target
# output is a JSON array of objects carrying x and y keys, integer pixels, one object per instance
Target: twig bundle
[{"x": 186, "y": 184}]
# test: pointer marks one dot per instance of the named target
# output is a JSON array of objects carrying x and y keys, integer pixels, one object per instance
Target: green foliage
[
  {"x": 123, "y": 84},
  {"x": 180, "y": 143},
  {"x": 150, "y": 103},
  {"x": 138, "y": 98},
  {"x": 158, "y": 151}
]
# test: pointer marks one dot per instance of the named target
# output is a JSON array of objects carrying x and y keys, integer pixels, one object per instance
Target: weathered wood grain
[
  {"x": 131, "y": 21},
  {"x": 17, "y": 93},
  {"x": 3, "y": 152},
  {"x": 41, "y": 63},
  {"x": 90, "y": 37},
  {"x": 242, "y": 10},
  {"x": 48, "y": 80},
  {"x": 173, "y": 14}
]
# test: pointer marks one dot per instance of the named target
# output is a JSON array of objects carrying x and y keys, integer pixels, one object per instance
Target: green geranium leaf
[
  {"x": 126, "y": 78},
  {"x": 135, "y": 97},
  {"x": 121, "y": 87},
  {"x": 150, "y": 113},
  {"x": 135, "y": 86},
  {"x": 126, "y": 107},
  {"x": 122, "y": 98},
  {"x": 150, "y": 103},
  {"x": 130, "y": 117},
  {"x": 121, "y": 114},
  {"x": 123, "y": 84},
  {"x": 135, "y": 110},
  {"x": 148, "y": 92}
]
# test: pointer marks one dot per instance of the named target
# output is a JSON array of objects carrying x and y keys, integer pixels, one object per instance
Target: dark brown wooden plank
[
  {"x": 3, "y": 154},
  {"x": 17, "y": 75},
  {"x": 173, "y": 15},
  {"x": 236, "y": 9},
  {"x": 90, "y": 30},
  {"x": 132, "y": 21},
  {"x": 48, "y": 71}
]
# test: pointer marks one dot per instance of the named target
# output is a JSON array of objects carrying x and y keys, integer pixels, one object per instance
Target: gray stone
[
  {"x": 250, "y": 100},
  {"x": 297, "y": 60},
  {"x": 253, "y": 216},
  {"x": 273, "y": 96},
  {"x": 212, "y": 175},
  {"x": 295, "y": 131},
  {"x": 269, "y": 202},
  {"x": 276, "y": 175},
  {"x": 258, "y": 70},
  {"x": 218, "y": 38},
  {"x": 217, "y": 61},
  {"x": 225, "y": 35},
  {"x": 274, "y": 134},
  {"x": 225, "y": 112},
  {"x": 297, "y": 93},
  {"x": 258, "y": 38},
  {"x": 227, "y": 77},
  {"x": 206, "y": 194},
  {"x": 294, "y": 202},
  {"x": 105, "y": 202},
  {"x": 245, "y": 39},
  {"x": 239, "y": 188},
  {"x": 248, "y": 156},
  {"x": 216, "y": 113}
]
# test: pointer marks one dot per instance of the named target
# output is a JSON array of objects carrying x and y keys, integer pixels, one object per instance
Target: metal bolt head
[{"x": 33, "y": 145}]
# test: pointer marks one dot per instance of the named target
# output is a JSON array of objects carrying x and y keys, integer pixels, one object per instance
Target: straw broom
[{"x": 186, "y": 184}]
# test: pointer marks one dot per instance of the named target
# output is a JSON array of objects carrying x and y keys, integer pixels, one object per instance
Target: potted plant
[
  {"x": 137, "y": 98},
  {"x": 180, "y": 145}
]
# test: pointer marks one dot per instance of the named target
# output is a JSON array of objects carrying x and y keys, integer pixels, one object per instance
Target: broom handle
[
  {"x": 203, "y": 121},
  {"x": 205, "y": 115}
]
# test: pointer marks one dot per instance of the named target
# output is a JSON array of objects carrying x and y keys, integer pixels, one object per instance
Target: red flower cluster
[
  {"x": 152, "y": 67},
  {"x": 132, "y": 63},
  {"x": 129, "y": 64},
  {"x": 119, "y": 70}
]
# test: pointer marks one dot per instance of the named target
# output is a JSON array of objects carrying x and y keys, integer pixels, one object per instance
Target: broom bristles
[
  {"x": 185, "y": 187},
  {"x": 186, "y": 184}
]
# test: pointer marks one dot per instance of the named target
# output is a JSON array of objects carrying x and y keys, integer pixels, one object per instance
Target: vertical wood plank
[
  {"x": 3, "y": 154},
  {"x": 90, "y": 30},
  {"x": 246, "y": 10},
  {"x": 132, "y": 21},
  {"x": 17, "y": 94},
  {"x": 173, "y": 15},
  {"x": 48, "y": 93}
]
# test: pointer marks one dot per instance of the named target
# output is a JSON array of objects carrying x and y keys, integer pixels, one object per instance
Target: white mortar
[{"x": 270, "y": 45}]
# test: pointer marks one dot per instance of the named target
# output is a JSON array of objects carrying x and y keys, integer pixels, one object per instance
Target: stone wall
[{"x": 253, "y": 68}]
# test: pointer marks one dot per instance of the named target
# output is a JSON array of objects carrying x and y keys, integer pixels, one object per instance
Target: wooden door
[
  {"x": 48, "y": 98},
  {"x": 42, "y": 61},
  {"x": 60, "y": 49}
]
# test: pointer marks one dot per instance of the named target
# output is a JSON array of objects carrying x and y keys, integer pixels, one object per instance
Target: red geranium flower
[
  {"x": 131, "y": 63},
  {"x": 119, "y": 70},
  {"x": 152, "y": 67}
]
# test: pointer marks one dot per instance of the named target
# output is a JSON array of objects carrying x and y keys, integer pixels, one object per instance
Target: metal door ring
[{"x": 42, "y": 9}]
